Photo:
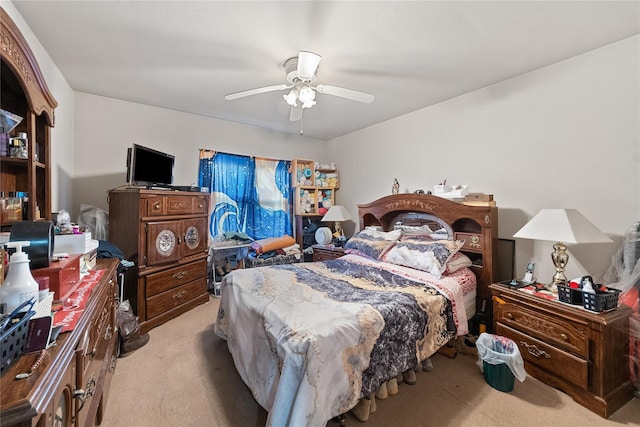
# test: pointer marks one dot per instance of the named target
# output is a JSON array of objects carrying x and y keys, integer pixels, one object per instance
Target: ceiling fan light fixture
[
  {"x": 306, "y": 94},
  {"x": 291, "y": 97},
  {"x": 308, "y": 104}
]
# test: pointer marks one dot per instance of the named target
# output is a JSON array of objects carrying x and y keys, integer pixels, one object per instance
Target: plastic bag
[
  {"x": 95, "y": 220},
  {"x": 495, "y": 349},
  {"x": 624, "y": 271}
]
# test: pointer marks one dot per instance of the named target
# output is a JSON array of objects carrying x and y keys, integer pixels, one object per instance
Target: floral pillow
[
  {"x": 427, "y": 255},
  {"x": 372, "y": 243},
  {"x": 456, "y": 262}
]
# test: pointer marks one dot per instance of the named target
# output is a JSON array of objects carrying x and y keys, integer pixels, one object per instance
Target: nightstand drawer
[
  {"x": 553, "y": 330},
  {"x": 324, "y": 253},
  {"x": 561, "y": 363}
]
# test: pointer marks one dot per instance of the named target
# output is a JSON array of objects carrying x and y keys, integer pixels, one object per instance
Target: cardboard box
[{"x": 478, "y": 197}]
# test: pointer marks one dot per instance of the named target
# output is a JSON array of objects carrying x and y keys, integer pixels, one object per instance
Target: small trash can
[{"x": 500, "y": 361}]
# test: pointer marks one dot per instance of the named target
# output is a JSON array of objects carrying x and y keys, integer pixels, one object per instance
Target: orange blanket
[{"x": 272, "y": 244}]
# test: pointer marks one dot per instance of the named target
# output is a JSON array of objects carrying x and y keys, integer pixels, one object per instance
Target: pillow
[
  {"x": 457, "y": 261},
  {"x": 413, "y": 229},
  {"x": 427, "y": 255},
  {"x": 371, "y": 243},
  {"x": 422, "y": 231}
]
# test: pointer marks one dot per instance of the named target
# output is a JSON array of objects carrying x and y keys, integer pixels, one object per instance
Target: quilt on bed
[{"x": 311, "y": 339}]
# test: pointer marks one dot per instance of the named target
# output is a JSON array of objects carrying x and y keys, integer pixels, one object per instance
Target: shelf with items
[
  {"x": 313, "y": 201},
  {"x": 303, "y": 173},
  {"x": 327, "y": 178},
  {"x": 25, "y": 139}
]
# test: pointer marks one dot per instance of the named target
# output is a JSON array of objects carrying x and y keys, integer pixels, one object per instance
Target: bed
[{"x": 315, "y": 340}]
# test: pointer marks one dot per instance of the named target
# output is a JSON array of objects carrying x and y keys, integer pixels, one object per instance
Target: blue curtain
[
  {"x": 270, "y": 214},
  {"x": 247, "y": 195}
]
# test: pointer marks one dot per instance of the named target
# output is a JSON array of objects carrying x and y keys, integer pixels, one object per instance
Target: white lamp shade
[
  {"x": 562, "y": 225},
  {"x": 336, "y": 213}
]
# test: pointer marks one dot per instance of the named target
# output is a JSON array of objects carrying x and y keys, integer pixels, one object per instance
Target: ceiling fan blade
[
  {"x": 295, "y": 114},
  {"x": 307, "y": 64},
  {"x": 255, "y": 91},
  {"x": 355, "y": 95}
]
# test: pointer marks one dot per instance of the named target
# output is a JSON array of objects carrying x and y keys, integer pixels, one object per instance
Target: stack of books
[{"x": 478, "y": 199}]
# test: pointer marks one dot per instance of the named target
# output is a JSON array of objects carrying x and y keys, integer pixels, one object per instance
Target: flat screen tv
[{"x": 149, "y": 167}]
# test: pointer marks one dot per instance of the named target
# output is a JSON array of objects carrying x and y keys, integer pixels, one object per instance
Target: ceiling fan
[{"x": 301, "y": 72}]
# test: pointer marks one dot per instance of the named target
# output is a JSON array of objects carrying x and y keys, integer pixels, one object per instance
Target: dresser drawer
[
  {"x": 176, "y": 205},
  {"x": 161, "y": 303},
  {"x": 561, "y": 363},
  {"x": 565, "y": 335},
  {"x": 174, "y": 277}
]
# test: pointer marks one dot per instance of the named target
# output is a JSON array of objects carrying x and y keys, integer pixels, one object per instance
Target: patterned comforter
[{"x": 311, "y": 339}]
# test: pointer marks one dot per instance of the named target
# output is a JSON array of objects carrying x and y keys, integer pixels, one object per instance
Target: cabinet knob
[
  {"x": 564, "y": 337},
  {"x": 509, "y": 316}
]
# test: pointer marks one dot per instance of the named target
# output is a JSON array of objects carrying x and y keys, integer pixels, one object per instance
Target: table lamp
[
  {"x": 561, "y": 226},
  {"x": 337, "y": 214}
]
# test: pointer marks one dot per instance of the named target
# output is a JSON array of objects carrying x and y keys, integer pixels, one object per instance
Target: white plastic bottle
[
  {"x": 588, "y": 286},
  {"x": 19, "y": 285}
]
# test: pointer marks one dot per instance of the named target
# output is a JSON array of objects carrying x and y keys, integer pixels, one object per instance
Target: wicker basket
[{"x": 14, "y": 339}]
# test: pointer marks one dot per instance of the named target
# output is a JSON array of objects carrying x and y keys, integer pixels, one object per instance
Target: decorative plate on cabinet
[{"x": 165, "y": 242}]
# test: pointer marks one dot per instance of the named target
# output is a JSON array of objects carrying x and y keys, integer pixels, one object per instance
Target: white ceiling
[{"x": 186, "y": 55}]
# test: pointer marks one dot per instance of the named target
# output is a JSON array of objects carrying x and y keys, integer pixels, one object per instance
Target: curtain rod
[{"x": 208, "y": 154}]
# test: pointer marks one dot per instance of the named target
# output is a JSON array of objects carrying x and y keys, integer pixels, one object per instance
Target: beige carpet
[{"x": 185, "y": 376}]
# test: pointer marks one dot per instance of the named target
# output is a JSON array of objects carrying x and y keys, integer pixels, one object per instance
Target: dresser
[
  {"x": 164, "y": 232},
  {"x": 582, "y": 353},
  {"x": 71, "y": 384}
]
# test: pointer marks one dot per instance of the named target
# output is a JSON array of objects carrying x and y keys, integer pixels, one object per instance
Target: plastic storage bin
[
  {"x": 601, "y": 301},
  {"x": 569, "y": 295},
  {"x": 13, "y": 334}
]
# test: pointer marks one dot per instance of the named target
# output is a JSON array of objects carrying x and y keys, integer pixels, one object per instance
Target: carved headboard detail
[{"x": 476, "y": 225}]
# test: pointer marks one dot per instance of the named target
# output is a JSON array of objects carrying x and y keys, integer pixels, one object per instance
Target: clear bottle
[{"x": 19, "y": 285}]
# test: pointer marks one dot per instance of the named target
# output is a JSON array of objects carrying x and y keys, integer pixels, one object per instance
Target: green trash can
[
  {"x": 500, "y": 360},
  {"x": 499, "y": 376}
]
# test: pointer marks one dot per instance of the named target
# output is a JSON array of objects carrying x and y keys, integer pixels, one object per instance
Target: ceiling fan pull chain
[{"x": 301, "y": 117}]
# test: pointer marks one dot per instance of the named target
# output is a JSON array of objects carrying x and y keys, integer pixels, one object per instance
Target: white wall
[
  {"x": 62, "y": 132},
  {"x": 105, "y": 128},
  {"x": 565, "y": 136}
]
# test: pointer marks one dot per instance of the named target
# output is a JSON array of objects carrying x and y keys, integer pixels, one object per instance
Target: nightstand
[
  {"x": 582, "y": 353},
  {"x": 323, "y": 253}
]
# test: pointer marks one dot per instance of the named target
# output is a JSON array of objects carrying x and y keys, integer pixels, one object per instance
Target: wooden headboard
[{"x": 476, "y": 225}]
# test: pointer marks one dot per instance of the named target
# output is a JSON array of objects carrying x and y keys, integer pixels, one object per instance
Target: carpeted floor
[{"x": 185, "y": 376}]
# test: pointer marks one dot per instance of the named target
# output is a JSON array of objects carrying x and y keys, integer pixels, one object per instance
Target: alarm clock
[{"x": 323, "y": 235}]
